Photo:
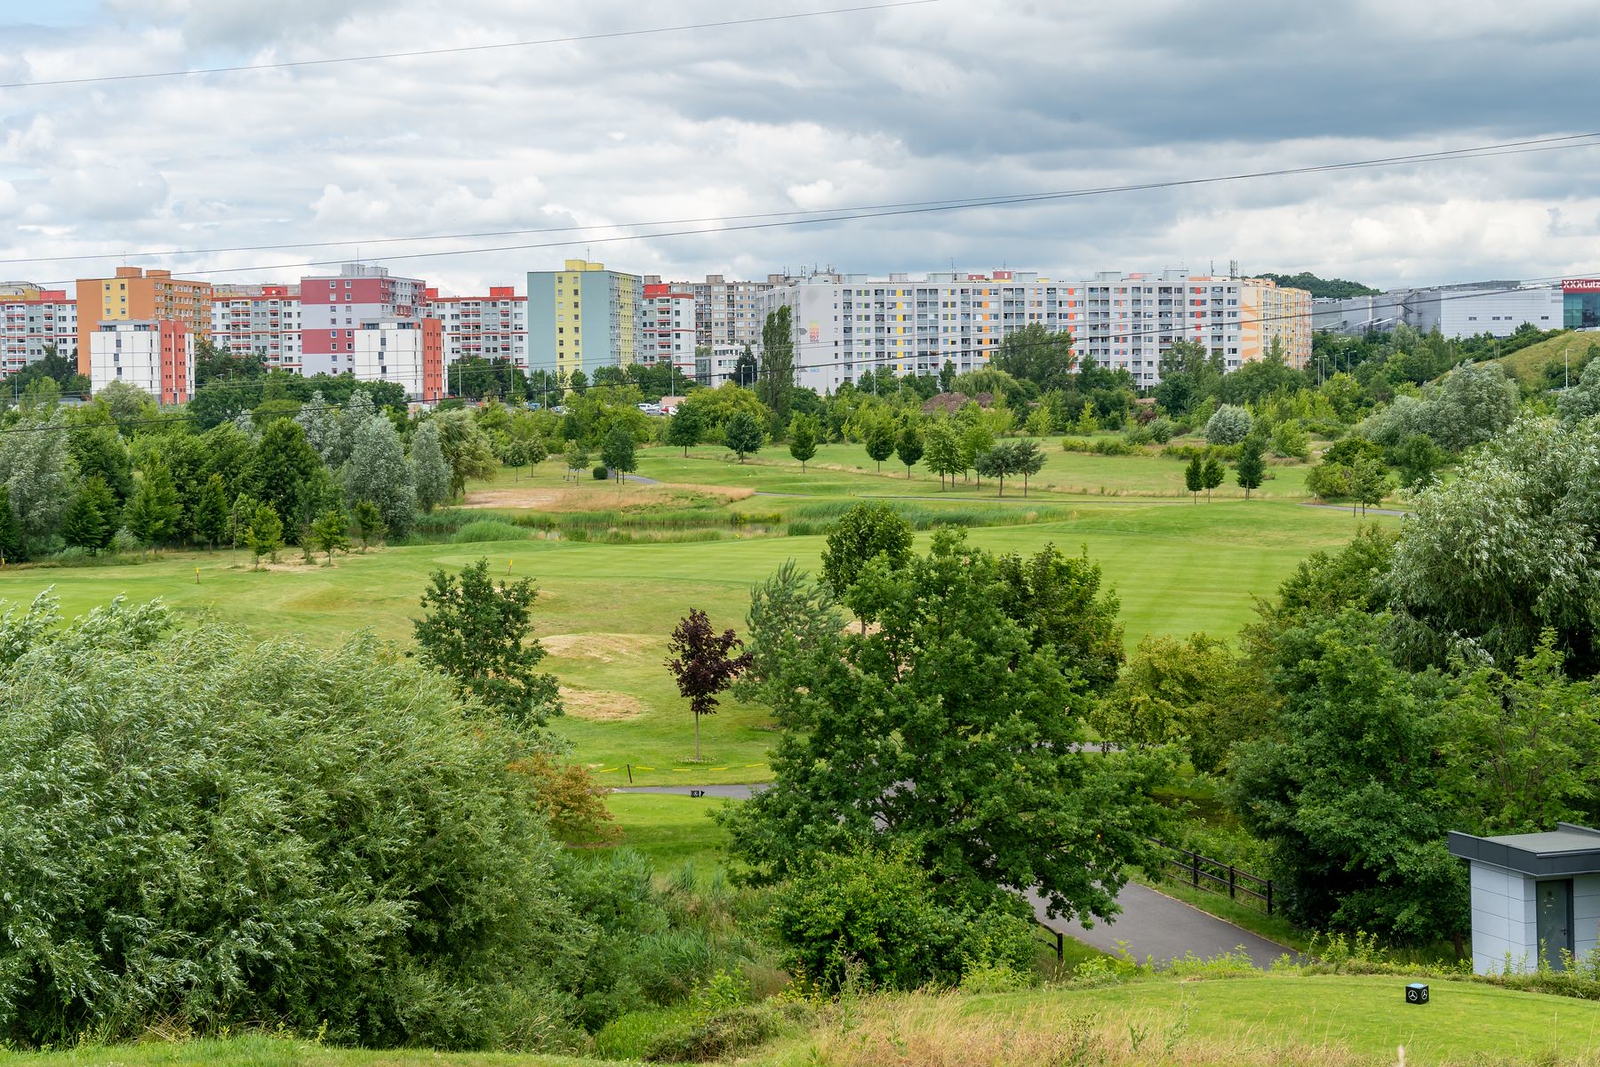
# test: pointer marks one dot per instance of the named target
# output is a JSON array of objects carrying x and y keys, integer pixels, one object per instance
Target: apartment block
[
  {"x": 157, "y": 355},
  {"x": 408, "y": 352},
  {"x": 846, "y": 324},
  {"x": 1126, "y": 321},
  {"x": 33, "y": 319},
  {"x": 583, "y": 317},
  {"x": 263, "y": 320},
  {"x": 727, "y": 314},
  {"x": 135, "y": 294},
  {"x": 333, "y": 307},
  {"x": 482, "y": 327},
  {"x": 668, "y": 328}
]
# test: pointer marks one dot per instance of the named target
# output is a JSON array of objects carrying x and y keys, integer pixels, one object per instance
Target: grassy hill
[
  {"x": 1193, "y": 1020},
  {"x": 1527, "y": 365}
]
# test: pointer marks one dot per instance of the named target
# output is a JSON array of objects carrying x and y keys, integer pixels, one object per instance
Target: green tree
[
  {"x": 330, "y": 533},
  {"x": 35, "y": 469},
  {"x": 1418, "y": 461},
  {"x": 776, "y": 373},
  {"x": 943, "y": 451},
  {"x": 1252, "y": 465},
  {"x": 209, "y": 519},
  {"x": 92, "y": 518},
  {"x": 377, "y": 471},
  {"x": 478, "y": 634},
  {"x": 1582, "y": 400},
  {"x": 1229, "y": 425},
  {"x": 743, "y": 434},
  {"x": 576, "y": 458},
  {"x": 803, "y": 439},
  {"x": 976, "y": 439},
  {"x": 153, "y": 514},
  {"x": 466, "y": 449},
  {"x": 98, "y": 450},
  {"x": 1174, "y": 692},
  {"x": 685, "y": 429},
  {"x": 282, "y": 471},
  {"x": 1000, "y": 462},
  {"x": 1212, "y": 474},
  {"x": 1194, "y": 476},
  {"x": 1291, "y": 441},
  {"x": 172, "y": 788},
  {"x": 1038, "y": 355},
  {"x": 618, "y": 453},
  {"x": 862, "y": 534},
  {"x": 880, "y": 442},
  {"x": 430, "y": 471},
  {"x": 369, "y": 523},
  {"x": 1369, "y": 481},
  {"x": 950, "y": 731},
  {"x": 908, "y": 446},
  {"x": 264, "y": 535},
  {"x": 10, "y": 529},
  {"x": 703, "y": 664},
  {"x": 1030, "y": 461}
]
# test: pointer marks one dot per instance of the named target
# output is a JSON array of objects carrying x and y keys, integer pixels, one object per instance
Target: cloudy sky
[{"x": 615, "y": 137}]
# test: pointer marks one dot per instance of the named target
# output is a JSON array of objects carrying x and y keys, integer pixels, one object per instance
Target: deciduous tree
[
  {"x": 479, "y": 634},
  {"x": 704, "y": 664},
  {"x": 803, "y": 439},
  {"x": 743, "y": 434}
]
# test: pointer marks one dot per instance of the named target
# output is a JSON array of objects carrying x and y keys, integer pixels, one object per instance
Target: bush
[
  {"x": 488, "y": 530},
  {"x": 1112, "y": 446},
  {"x": 1161, "y": 429},
  {"x": 208, "y": 833},
  {"x": 1290, "y": 441},
  {"x": 601, "y": 472},
  {"x": 1229, "y": 426},
  {"x": 875, "y": 916}
]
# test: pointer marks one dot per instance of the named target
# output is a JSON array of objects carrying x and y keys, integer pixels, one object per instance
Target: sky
[{"x": 601, "y": 142}]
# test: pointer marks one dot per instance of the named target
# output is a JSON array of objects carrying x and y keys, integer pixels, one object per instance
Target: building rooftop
[{"x": 1568, "y": 849}]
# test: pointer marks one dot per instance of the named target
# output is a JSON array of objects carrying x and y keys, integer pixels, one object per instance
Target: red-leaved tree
[{"x": 704, "y": 665}]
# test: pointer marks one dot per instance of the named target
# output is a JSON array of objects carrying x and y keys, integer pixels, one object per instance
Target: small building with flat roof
[{"x": 1534, "y": 896}]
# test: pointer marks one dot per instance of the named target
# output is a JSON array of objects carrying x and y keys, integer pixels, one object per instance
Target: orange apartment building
[{"x": 139, "y": 295}]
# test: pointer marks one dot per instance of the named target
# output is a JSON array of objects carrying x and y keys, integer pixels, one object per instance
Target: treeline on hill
[{"x": 1319, "y": 288}]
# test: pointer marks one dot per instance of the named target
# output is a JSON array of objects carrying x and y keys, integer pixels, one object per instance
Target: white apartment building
[
  {"x": 1126, "y": 321},
  {"x": 667, "y": 328},
  {"x": 33, "y": 319},
  {"x": 726, "y": 313},
  {"x": 482, "y": 327},
  {"x": 846, "y": 324},
  {"x": 408, "y": 352},
  {"x": 259, "y": 319},
  {"x": 154, "y": 355}
]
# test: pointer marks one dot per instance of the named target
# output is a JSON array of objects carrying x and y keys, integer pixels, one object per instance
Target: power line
[
  {"x": 777, "y": 220},
  {"x": 461, "y": 49}
]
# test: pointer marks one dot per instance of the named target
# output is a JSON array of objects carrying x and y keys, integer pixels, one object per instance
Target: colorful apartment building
[
  {"x": 846, "y": 324},
  {"x": 726, "y": 314},
  {"x": 263, "y": 320},
  {"x": 668, "y": 328},
  {"x": 482, "y": 327},
  {"x": 408, "y": 352},
  {"x": 333, "y": 307},
  {"x": 156, "y": 355},
  {"x": 583, "y": 317},
  {"x": 34, "y": 320},
  {"x": 135, "y": 294},
  {"x": 1126, "y": 321}
]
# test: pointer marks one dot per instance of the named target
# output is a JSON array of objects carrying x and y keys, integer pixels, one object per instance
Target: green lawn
[
  {"x": 671, "y": 829},
  {"x": 605, "y": 609},
  {"x": 1223, "y": 1021}
]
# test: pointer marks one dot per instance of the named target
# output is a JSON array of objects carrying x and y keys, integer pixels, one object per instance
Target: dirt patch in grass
[
  {"x": 589, "y": 498},
  {"x": 600, "y": 705},
  {"x": 604, "y": 648}
]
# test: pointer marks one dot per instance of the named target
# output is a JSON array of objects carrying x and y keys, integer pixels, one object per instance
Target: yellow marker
[
  {"x": 508, "y": 566},
  {"x": 644, "y": 768},
  {"x": 197, "y": 576}
]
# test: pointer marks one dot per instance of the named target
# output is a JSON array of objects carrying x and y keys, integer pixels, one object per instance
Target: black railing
[{"x": 1203, "y": 872}]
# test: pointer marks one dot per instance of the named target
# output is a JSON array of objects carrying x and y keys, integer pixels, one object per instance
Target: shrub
[
  {"x": 211, "y": 833},
  {"x": 876, "y": 915},
  {"x": 1290, "y": 441},
  {"x": 1161, "y": 429},
  {"x": 601, "y": 472},
  {"x": 1228, "y": 426},
  {"x": 1112, "y": 446}
]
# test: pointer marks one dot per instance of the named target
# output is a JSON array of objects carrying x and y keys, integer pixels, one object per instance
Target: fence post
[
  {"x": 1194, "y": 868},
  {"x": 1061, "y": 946},
  {"x": 1230, "y": 882},
  {"x": 1269, "y": 896}
]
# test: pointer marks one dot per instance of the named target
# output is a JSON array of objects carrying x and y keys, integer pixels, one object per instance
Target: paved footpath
[{"x": 1152, "y": 925}]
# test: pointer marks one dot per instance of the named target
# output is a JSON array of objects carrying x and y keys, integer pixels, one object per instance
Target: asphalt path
[{"x": 1152, "y": 926}]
